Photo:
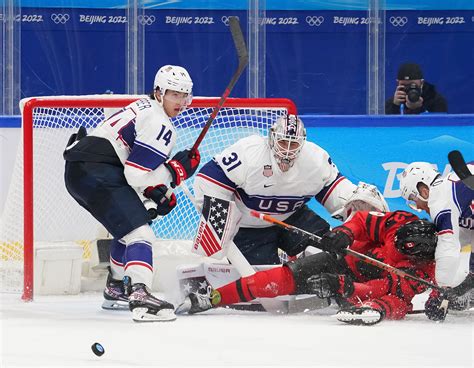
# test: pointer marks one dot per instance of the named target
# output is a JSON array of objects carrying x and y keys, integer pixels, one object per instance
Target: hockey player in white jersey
[
  {"x": 450, "y": 204},
  {"x": 277, "y": 175},
  {"x": 122, "y": 162}
]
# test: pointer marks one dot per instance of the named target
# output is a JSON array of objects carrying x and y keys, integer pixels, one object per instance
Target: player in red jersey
[{"x": 365, "y": 293}]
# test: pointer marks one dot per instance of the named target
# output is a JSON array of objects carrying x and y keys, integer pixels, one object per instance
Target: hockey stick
[
  {"x": 353, "y": 253},
  {"x": 460, "y": 168},
  {"x": 243, "y": 58}
]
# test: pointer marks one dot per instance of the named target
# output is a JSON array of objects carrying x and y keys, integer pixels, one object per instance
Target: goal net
[{"x": 38, "y": 207}]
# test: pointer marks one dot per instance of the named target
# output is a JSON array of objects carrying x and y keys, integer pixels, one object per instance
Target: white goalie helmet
[
  {"x": 175, "y": 78},
  {"x": 414, "y": 173},
  {"x": 365, "y": 197},
  {"x": 286, "y": 139}
]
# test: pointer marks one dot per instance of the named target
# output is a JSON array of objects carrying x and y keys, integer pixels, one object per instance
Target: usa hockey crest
[{"x": 267, "y": 171}]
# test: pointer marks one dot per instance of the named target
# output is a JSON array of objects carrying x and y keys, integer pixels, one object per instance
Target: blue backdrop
[{"x": 315, "y": 57}]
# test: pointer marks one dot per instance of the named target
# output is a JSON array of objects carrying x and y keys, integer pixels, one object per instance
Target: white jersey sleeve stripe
[
  {"x": 331, "y": 188},
  {"x": 133, "y": 164},
  {"x": 443, "y": 232}
]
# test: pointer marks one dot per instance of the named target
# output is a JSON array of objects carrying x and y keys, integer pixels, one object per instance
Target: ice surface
[{"x": 58, "y": 331}]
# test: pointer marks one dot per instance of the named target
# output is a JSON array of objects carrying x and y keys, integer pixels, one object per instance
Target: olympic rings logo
[
  {"x": 146, "y": 20},
  {"x": 314, "y": 20},
  {"x": 225, "y": 20},
  {"x": 60, "y": 18},
  {"x": 398, "y": 21}
]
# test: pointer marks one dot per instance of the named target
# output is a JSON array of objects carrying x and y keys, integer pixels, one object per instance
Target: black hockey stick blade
[
  {"x": 243, "y": 58},
  {"x": 239, "y": 42},
  {"x": 460, "y": 168}
]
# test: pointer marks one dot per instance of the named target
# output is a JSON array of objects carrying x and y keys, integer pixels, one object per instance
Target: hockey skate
[
  {"x": 460, "y": 303},
  {"x": 147, "y": 308},
  {"x": 197, "y": 302},
  {"x": 114, "y": 294},
  {"x": 359, "y": 316}
]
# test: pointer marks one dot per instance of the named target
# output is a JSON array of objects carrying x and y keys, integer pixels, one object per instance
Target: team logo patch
[
  {"x": 472, "y": 207},
  {"x": 375, "y": 213},
  {"x": 409, "y": 244},
  {"x": 267, "y": 171}
]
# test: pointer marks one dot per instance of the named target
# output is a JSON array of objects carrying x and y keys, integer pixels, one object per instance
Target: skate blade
[
  {"x": 115, "y": 305},
  {"x": 163, "y": 315},
  {"x": 367, "y": 317}
]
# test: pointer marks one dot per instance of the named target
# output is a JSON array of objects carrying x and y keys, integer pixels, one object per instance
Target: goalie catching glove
[
  {"x": 183, "y": 165},
  {"x": 164, "y": 205}
]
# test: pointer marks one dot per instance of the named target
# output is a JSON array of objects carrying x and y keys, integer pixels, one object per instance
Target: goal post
[{"x": 38, "y": 207}]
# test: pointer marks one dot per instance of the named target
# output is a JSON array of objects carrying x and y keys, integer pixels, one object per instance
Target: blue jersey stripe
[
  {"x": 320, "y": 196},
  {"x": 153, "y": 149},
  {"x": 463, "y": 198},
  {"x": 128, "y": 134},
  {"x": 443, "y": 221},
  {"x": 214, "y": 171},
  {"x": 142, "y": 155}
]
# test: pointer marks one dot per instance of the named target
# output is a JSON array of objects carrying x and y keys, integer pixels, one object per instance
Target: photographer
[{"x": 413, "y": 94}]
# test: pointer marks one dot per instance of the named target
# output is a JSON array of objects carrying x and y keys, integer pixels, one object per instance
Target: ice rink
[{"x": 58, "y": 331}]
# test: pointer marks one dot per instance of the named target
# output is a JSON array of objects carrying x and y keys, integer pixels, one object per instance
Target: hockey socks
[{"x": 263, "y": 284}]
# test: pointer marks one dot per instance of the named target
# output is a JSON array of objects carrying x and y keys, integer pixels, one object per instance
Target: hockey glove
[
  {"x": 158, "y": 195},
  {"x": 328, "y": 285},
  {"x": 336, "y": 241},
  {"x": 436, "y": 307},
  {"x": 183, "y": 165}
]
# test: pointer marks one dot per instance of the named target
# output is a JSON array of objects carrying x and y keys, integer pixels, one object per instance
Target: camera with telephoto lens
[{"x": 413, "y": 92}]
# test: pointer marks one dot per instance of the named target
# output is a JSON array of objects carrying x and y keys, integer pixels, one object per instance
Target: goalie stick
[
  {"x": 353, "y": 253},
  {"x": 460, "y": 168},
  {"x": 243, "y": 58}
]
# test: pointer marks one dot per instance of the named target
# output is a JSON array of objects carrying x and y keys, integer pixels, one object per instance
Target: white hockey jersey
[
  {"x": 143, "y": 138},
  {"x": 451, "y": 205},
  {"x": 248, "y": 174}
]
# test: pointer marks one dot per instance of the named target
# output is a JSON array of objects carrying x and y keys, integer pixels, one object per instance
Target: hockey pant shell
[
  {"x": 304, "y": 268},
  {"x": 260, "y": 245},
  {"x": 103, "y": 190}
]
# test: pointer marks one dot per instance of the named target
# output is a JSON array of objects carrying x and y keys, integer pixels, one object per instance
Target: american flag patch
[{"x": 214, "y": 226}]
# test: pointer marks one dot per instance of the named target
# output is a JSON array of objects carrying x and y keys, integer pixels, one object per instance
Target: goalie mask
[
  {"x": 286, "y": 139},
  {"x": 365, "y": 197},
  {"x": 414, "y": 173},
  {"x": 175, "y": 78},
  {"x": 417, "y": 239}
]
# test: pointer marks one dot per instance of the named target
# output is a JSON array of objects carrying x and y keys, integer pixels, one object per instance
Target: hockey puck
[{"x": 98, "y": 349}]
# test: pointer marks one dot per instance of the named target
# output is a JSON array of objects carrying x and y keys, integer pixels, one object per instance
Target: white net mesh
[{"x": 57, "y": 217}]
